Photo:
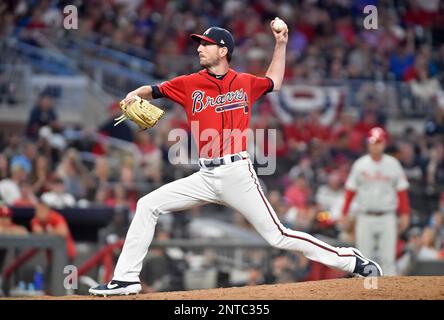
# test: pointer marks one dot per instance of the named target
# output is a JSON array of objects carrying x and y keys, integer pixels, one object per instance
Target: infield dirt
[{"x": 386, "y": 288}]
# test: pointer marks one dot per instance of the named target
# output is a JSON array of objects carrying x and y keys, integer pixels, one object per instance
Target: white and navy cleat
[
  {"x": 116, "y": 288},
  {"x": 365, "y": 267}
]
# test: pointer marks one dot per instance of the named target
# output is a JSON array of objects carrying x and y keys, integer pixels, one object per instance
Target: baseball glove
[{"x": 140, "y": 111}]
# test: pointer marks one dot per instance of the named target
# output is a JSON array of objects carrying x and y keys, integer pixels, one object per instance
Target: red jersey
[
  {"x": 55, "y": 219},
  {"x": 218, "y": 108}
]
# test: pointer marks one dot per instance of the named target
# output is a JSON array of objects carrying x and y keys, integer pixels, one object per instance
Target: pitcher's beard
[
  {"x": 205, "y": 65},
  {"x": 208, "y": 64}
]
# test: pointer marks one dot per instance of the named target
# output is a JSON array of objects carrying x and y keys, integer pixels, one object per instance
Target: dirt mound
[{"x": 386, "y": 288}]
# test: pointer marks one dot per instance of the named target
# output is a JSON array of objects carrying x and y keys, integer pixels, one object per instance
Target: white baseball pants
[
  {"x": 376, "y": 238},
  {"x": 235, "y": 185}
]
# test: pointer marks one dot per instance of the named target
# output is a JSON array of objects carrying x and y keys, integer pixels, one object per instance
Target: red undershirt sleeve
[
  {"x": 403, "y": 202},
  {"x": 349, "y": 195}
]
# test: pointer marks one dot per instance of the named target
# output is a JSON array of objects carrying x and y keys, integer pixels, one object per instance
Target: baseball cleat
[
  {"x": 365, "y": 267},
  {"x": 116, "y": 288}
]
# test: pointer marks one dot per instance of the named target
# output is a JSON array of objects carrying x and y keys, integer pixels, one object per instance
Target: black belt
[
  {"x": 376, "y": 213},
  {"x": 213, "y": 163}
]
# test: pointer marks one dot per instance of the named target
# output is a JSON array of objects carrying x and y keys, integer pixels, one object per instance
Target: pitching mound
[{"x": 386, "y": 288}]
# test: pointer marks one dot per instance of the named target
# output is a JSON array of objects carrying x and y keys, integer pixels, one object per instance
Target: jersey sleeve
[
  {"x": 173, "y": 89},
  {"x": 352, "y": 179},
  {"x": 401, "y": 179},
  {"x": 56, "y": 220},
  {"x": 260, "y": 86}
]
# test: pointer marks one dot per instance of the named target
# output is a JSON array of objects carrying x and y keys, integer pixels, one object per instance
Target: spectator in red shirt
[
  {"x": 316, "y": 128},
  {"x": 6, "y": 224},
  {"x": 296, "y": 134},
  {"x": 369, "y": 120},
  {"x": 47, "y": 221},
  {"x": 7, "y": 227},
  {"x": 152, "y": 163},
  {"x": 298, "y": 192},
  {"x": 121, "y": 198},
  {"x": 420, "y": 14}
]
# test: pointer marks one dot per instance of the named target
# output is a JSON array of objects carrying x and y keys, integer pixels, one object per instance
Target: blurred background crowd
[{"x": 65, "y": 165}]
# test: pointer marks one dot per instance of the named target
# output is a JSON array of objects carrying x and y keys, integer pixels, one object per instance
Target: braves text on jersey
[{"x": 221, "y": 105}]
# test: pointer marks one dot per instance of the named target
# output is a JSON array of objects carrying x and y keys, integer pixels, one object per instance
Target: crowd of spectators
[
  {"x": 313, "y": 159},
  {"x": 327, "y": 37}
]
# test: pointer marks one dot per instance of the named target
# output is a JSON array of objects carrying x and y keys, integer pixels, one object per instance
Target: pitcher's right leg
[{"x": 179, "y": 195}]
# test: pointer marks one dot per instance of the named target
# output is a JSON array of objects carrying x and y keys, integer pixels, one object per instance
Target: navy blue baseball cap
[{"x": 220, "y": 36}]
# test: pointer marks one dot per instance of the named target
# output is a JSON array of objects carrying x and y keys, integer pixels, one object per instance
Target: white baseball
[{"x": 279, "y": 25}]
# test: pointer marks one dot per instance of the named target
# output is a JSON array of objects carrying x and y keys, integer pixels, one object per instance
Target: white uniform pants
[
  {"x": 376, "y": 239},
  {"x": 236, "y": 186}
]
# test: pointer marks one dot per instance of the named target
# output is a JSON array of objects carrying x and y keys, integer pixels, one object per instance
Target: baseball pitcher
[
  {"x": 219, "y": 99},
  {"x": 380, "y": 186}
]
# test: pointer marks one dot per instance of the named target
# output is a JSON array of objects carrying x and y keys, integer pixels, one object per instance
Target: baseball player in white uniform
[
  {"x": 229, "y": 178},
  {"x": 380, "y": 186}
]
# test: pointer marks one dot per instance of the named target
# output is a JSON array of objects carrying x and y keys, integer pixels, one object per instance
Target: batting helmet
[{"x": 376, "y": 135}]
